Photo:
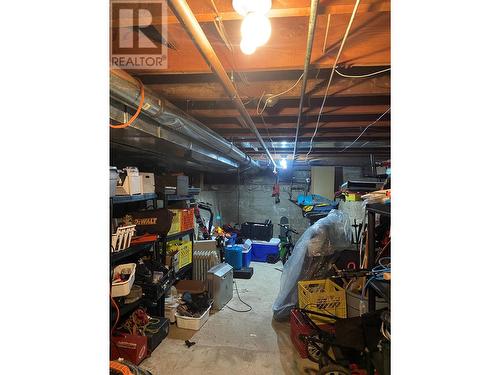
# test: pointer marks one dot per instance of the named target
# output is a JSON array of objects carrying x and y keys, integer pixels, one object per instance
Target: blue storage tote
[
  {"x": 233, "y": 256},
  {"x": 262, "y": 249}
]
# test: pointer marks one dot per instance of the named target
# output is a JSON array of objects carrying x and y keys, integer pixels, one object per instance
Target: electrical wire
[
  {"x": 333, "y": 72},
  {"x": 243, "y": 302},
  {"x": 385, "y": 332},
  {"x": 363, "y": 75},
  {"x": 132, "y": 119},
  {"x": 379, "y": 271},
  {"x": 276, "y": 95},
  {"x": 117, "y": 313},
  {"x": 374, "y": 122}
]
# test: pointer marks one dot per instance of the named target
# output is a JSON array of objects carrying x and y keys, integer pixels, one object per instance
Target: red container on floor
[
  {"x": 133, "y": 348},
  {"x": 298, "y": 326}
]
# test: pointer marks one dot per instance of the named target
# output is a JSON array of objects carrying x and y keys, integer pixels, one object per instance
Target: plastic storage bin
[
  {"x": 257, "y": 231},
  {"x": 323, "y": 296},
  {"x": 171, "y": 305},
  {"x": 246, "y": 256},
  {"x": 234, "y": 256},
  {"x": 353, "y": 304},
  {"x": 120, "y": 289},
  {"x": 261, "y": 249},
  {"x": 195, "y": 324}
]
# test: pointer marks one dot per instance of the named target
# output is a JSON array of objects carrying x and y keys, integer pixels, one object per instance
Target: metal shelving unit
[
  {"x": 133, "y": 250},
  {"x": 377, "y": 287},
  {"x": 373, "y": 209}
]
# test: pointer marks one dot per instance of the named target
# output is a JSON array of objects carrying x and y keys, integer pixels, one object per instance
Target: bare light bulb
[
  {"x": 243, "y": 7},
  {"x": 256, "y": 28},
  {"x": 283, "y": 163},
  {"x": 247, "y": 47}
]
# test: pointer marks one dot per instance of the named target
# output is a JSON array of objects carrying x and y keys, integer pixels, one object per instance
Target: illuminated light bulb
[
  {"x": 247, "y": 47},
  {"x": 256, "y": 28},
  {"x": 283, "y": 163},
  {"x": 243, "y": 7},
  {"x": 240, "y": 6}
]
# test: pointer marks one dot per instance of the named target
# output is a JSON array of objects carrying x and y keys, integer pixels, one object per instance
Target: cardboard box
[
  {"x": 133, "y": 348},
  {"x": 187, "y": 219},
  {"x": 205, "y": 245},
  {"x": 182, "y": 185},
  {"x": 191, "y": 286},
  {"x": 148, "y": 182}
]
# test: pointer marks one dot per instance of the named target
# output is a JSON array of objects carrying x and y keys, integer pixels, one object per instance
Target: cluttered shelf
[
  {"x": 179, "y": 234},
  {"x": 379, "y": 208},
  {"x": 131, "y": 251},
  {"x": 127, "y": 308},
  {"x": 119, "y": 199}
]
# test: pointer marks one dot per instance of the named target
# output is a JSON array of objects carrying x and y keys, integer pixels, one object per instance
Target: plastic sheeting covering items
[{"x": 318, "y": 243}]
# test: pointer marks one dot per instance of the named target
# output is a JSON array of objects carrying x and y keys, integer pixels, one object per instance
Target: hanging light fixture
[
  {"x": 243, "y": 7},
  {"x": 256, "y": 27},
  {"x": 283, "y": 163},
  {"x": 247, "y": 46}
]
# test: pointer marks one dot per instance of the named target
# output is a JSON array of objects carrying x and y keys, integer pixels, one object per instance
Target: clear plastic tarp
[{"x": 321, "y": 240}]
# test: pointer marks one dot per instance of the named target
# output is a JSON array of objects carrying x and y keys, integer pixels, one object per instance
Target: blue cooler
[
  {"x": 247, "y": 257},
  {"x": 262, "y": 249},
  {"x": 233, "y": 256}
]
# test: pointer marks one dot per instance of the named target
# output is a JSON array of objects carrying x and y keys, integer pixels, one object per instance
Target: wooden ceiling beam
[
  {"x": 332, "y": 101},
  {"x": 270, "y": 120},
  {"x": 288, "y": 9},
  {"x": 349, "y": 110},
  {"x": 291, "y": 125}
]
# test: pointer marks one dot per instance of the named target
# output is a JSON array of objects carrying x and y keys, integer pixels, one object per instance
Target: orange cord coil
[{"x": 137, "y": 113}]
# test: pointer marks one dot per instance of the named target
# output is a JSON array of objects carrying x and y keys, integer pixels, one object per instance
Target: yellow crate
[
  {"x": 185, "y": 254},
  {"x": 176, "y": 223},
  {"x": 323, "y": 296},
  {"x": 184, "y": 250},
  {"x": 352, "y": 197}
]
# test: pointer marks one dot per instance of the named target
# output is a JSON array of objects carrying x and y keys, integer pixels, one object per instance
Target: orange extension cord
[
  {"x": 137, "y": 113},
  {"x": 117, "y": 313}
]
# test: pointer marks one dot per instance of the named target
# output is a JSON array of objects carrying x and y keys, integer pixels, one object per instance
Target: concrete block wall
[{"x": 255, "y": 203}]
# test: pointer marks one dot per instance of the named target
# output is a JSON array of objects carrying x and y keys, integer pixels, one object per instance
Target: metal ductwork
[
  {"x": 307, "y": 62},
  {"x": 126, "y": 90},
  {"x": 188, "y": 20},
  {"x": 162, "y": 133}
]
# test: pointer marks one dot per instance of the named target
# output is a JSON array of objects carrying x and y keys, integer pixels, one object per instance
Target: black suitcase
[{"x": 156, "y": 332}]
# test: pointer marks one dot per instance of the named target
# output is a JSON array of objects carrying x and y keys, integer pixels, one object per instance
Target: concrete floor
[{"x": 232, "y": 342}]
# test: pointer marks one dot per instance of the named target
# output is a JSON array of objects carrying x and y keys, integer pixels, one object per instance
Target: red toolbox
[
  {"x": 298, "y": 326},
  {"x": 133, "y": 348}
]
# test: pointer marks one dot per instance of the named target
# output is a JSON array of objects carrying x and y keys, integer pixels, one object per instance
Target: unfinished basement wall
[{"x": 255, "y": 203}]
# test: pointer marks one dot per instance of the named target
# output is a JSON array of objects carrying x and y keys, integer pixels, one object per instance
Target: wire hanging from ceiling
[
  {"x": 363, "y": 75},
  {"x": 275, "y": 95},
  {"x": 373, "y": 123},
  {"x": 355, "y": 9}
]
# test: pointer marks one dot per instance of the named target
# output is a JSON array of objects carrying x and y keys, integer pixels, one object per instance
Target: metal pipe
[
  {"x": 154, "y": 129},
  {"x": 307, "y": 61},
  {"x": 188, "y": 20},
  {"x": 126, "y": 89}
]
